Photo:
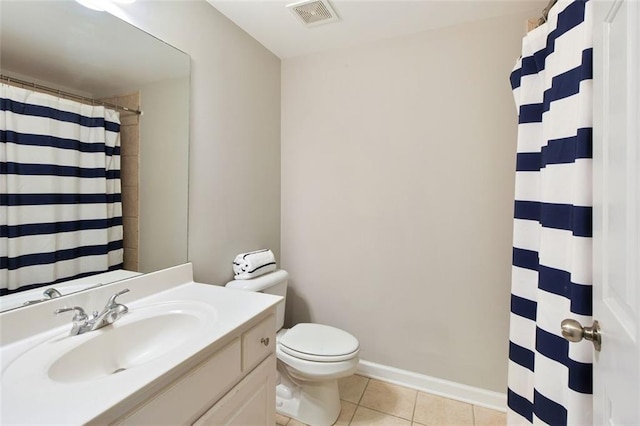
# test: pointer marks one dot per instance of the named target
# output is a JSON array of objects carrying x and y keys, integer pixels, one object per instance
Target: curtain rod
[{"x": 68, "y": 94}]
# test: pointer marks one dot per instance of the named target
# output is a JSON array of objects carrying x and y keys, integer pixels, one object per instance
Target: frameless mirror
[{"x": 61, "y": 45}]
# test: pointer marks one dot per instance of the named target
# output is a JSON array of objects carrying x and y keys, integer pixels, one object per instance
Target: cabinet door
[{"x": 250, "y": 402}]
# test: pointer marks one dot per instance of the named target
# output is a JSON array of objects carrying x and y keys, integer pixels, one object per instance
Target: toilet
[{"x": 311, "y": 359}]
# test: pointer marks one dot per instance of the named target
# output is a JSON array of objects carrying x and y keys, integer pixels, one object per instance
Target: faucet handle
[
  {"x": 112, "y": 299},
  {"x": 79, "y": 316}
]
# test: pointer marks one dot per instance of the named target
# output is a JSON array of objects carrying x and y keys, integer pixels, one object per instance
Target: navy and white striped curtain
[
  {"x": 60, "y": 197},
  {"x": 550, "y": 380}
]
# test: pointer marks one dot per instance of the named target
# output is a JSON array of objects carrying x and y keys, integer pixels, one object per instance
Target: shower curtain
[
  {"x": 60, "y": 199},
  {"x": 550, "y": 380}
]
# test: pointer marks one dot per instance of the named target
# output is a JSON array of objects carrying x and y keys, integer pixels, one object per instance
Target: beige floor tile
[
  {"x": 390, "y": 399},
  {"x": 487, "y": 417},
  {"x": 346, "y": 413},
  {"x": 352, "y": 388},
  {"x": 434, "y": 410},
  {"x": 281, "y": 420},
  {"x": 365, "y": 417}
]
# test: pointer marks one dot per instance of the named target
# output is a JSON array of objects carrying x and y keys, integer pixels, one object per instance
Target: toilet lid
[{"x": 317, "y": 342}]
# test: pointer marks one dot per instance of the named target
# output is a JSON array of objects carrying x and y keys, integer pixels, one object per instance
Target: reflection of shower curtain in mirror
[{"x": 60, "y": 199}]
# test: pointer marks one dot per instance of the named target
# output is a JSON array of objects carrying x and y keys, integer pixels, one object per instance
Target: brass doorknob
[{"x": 573, "y": 331}]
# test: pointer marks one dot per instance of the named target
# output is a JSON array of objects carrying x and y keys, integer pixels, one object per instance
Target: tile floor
[{"x": 369, "y": 402}]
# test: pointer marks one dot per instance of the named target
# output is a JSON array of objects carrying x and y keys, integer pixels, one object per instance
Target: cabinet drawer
[
  {"x": 186, "y": 399},
  {"x": 258, "y": 343}
]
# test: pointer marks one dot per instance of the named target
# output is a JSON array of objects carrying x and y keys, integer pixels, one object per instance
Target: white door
[{"x": 616, "y": 215}]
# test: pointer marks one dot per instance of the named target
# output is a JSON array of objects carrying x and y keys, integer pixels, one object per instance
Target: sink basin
[
  {"x": 140, "y": 337},
  {"x": 122, "y": 347}
]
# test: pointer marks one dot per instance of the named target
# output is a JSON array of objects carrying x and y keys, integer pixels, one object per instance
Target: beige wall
[
  {"x": 397, "y": 197},
  {"x": 164, "y": 174},
  {"x": 234, "y": 159},
  {"x": 397, "y": 181}
]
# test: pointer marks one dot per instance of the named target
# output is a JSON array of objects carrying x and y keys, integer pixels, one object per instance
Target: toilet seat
[
  {"x": 306, "y": 370},
  {"x": 318, "y": 342}
]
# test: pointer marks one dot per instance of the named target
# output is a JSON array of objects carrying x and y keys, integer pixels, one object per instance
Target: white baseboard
[{"x": 469, "y": 394}]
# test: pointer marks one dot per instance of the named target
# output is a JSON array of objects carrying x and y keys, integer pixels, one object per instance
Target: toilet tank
[{"x": 272, "y": 283}]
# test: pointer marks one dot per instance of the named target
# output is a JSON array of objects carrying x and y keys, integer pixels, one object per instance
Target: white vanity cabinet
[
  {"x": 235, "y": 385},
  {"x": 185, "y": 352}
]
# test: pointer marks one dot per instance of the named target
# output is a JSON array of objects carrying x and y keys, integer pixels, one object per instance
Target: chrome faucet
[
  {"x": 111, "y": 313},
  {"x": 82, "y": 322},
  {"x": 51, "y": 293},
  {"x": 48, "y": 294}
]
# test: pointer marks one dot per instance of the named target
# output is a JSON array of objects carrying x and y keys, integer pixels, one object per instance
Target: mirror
[{"x": 66, "y": 47}]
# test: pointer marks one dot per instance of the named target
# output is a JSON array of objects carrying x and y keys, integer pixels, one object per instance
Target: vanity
[{"x": 184, "y": 353}]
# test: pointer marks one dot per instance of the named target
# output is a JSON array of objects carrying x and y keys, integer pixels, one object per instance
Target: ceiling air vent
[{"x": 314, "y": 12}]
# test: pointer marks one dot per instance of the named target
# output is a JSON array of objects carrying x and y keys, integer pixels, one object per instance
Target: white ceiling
[
  {"x": 361, "y": 21},
  {"x": 66, "y": 45}
]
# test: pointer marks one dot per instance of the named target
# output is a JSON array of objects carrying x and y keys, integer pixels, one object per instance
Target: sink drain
[{"x": 118, "y": 370}]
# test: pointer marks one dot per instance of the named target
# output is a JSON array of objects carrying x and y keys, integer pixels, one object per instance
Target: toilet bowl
[{"x": 311, "y": 359}]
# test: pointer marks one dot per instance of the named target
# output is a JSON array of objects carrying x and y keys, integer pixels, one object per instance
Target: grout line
[
  {"x": 415, "y": 404},
  {"x": 473, "y": 413},
  {"x": 382, "y": 412},
  {"x": 352, "y": 414},
  {"x": 387, "y": 414},
  {"x": 363, "y": 390}
]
